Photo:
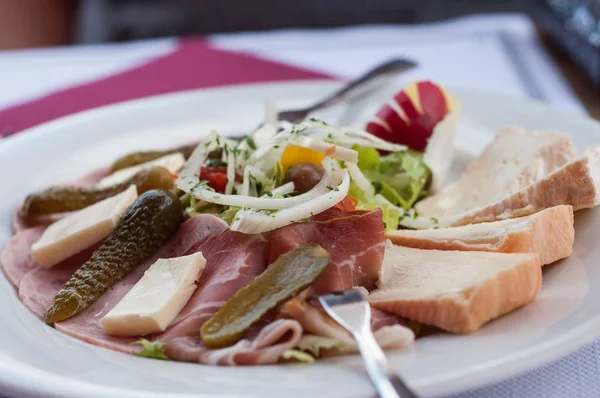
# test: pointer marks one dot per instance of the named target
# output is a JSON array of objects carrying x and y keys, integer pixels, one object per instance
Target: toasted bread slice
[
  {"x": 455, "y": 291},
  {"x": 514, "y": 160},
  {"x": 576, "y": 184},
  {"x": 549, "y": 233}
]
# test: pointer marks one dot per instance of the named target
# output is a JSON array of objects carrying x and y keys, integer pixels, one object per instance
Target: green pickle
[
  {"x": 135, "y": 158},
  {"x": 63, "y": 199},
  {"x": 285, "y": 278},
  {"x": 146, "y": 225}
]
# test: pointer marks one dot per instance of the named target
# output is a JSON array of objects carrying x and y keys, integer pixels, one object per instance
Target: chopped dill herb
[
  {"x": 199, "y": 185},
  {"x": 251, "y": 143},
  {"x": 314, "y": 119}
]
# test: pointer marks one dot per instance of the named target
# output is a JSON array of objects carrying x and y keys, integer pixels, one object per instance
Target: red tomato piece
[
  {"x": 347, "y": 204},
  {"x": 216, "y": 177}
]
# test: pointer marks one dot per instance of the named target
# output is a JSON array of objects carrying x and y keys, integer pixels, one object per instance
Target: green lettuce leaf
[
  {"x": 229, "y": 215},
  {"x": 314, "y": 344},
  {"x": 401, "y": 177},
  {"x": 391, "y": 214},
  {"x": 298, "y": 355},
  {"x": 152, "y": 349}
]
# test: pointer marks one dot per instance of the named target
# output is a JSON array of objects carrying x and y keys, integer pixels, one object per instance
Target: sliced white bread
[
  {"x": 512, "y": 161},
  {"x": 455, "y": 291},
  {"x": 549, "y": 233},
  {"x": 576, "y": 184}
]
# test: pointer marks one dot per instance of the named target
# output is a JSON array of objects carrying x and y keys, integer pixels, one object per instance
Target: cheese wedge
[
  {"x": 173, "y": 162},
  {"x": 512, "y": 161},
  {"x": 455, "y": 291},
  {"x": 549, "y": 233},
  {"x": 152, "y": 304},
  {"x": 81, "y": 229}
]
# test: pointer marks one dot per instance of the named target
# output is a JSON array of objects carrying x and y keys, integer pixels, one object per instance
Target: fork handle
[
  {"x": 386, "y": 382},
  {"x": 364, "y": 83}
]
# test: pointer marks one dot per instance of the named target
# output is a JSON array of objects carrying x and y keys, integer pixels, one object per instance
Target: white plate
[{"x": 36, "y": 359}]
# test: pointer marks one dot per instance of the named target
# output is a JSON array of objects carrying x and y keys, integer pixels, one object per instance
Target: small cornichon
[
  {"x": 63, "y": 199},
  {"x": 136, "y": 158},
  {"x": 290, "y": 274},
  {"x": 146, "y": 225}
]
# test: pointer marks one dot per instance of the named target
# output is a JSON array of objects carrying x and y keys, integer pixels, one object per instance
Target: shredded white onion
[
  {"x": 284, "y": 189},
  {"x": 230, "y": 171},
  {"x": 254, "y": 222},
  {"x": 334, "y": 151},
  {"x": 187, "y": 182},
  {"x": 359, "y": 179}
]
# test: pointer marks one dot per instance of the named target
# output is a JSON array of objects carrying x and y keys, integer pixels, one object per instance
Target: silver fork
[
  {"x": 350, "y": 309},
  {"x": 364, "y": 84}
]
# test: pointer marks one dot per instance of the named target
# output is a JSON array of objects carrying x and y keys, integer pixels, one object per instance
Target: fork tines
[{"x": 342, "y": 297}]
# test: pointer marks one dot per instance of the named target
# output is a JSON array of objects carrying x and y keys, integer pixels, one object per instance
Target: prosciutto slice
[
  {"x": 355, "y": 241},
  {"x": 16, "y": 259},
  {"x": 389, "y": 330},
  {"x": 232, "y": 260}
]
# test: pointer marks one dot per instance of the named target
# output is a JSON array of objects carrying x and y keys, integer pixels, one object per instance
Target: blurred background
[{"x": 566, "y": 31}]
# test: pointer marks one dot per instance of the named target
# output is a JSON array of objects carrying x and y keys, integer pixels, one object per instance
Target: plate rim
[{"x": 501, "y": 369}]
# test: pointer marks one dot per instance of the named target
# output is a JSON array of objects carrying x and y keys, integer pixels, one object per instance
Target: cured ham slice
[
  {"x": 455, "y": 291},
  {"x": 549, "y": 233},
  {"x": 232, "y": 261},
  {"x": 354, "y": 240},
  {"x": 511, "y": 162},
  {"x": 266, "y": 348},
  {"x": 16, "y": 259},
  {"x": 389, "y": 330}
]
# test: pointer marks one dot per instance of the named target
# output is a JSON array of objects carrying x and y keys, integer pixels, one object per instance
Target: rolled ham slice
[
  {"x": 549, "y": 233},
  {"x": 455, "y": 291}
]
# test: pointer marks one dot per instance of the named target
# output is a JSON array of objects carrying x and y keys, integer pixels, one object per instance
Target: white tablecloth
[{"x": 498, "y": 54}]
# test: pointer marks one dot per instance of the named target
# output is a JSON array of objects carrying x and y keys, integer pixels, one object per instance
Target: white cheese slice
[
  {"x": 173, "y": 162},
  {"x": 81, "y": 229},
  {"x": 152, "y": 304}
]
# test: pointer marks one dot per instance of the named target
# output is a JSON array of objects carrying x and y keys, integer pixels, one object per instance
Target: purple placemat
[{"x": 193, "y": 64}]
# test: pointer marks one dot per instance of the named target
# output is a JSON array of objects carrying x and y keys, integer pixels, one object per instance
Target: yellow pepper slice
[{"x": 294, "y": 155}]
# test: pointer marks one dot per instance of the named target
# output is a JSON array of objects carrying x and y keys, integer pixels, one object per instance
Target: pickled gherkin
[
  {"x": 146, "y": 225},
  {"x": 284, "y": 279},
  {"x": 135, "y": 158},
  {"x": 63, "y": 199}
]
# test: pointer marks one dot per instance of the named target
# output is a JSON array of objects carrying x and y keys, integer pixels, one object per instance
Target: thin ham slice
[
  {"x": 232, "y": 260},
  {"x": 266, "y": 348},
  {"x": 355, "y": 241},
  {"x": 389, "y": 330},
  {"x": 16, "y": 259}
]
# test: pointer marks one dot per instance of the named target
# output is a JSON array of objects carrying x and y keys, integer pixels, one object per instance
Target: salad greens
[
  {"x": 245, "y": 182},
  {"x": 152, "y": 349},
  {"x": 298, "y": 355},
  {"x": 401, "y": 177}
]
